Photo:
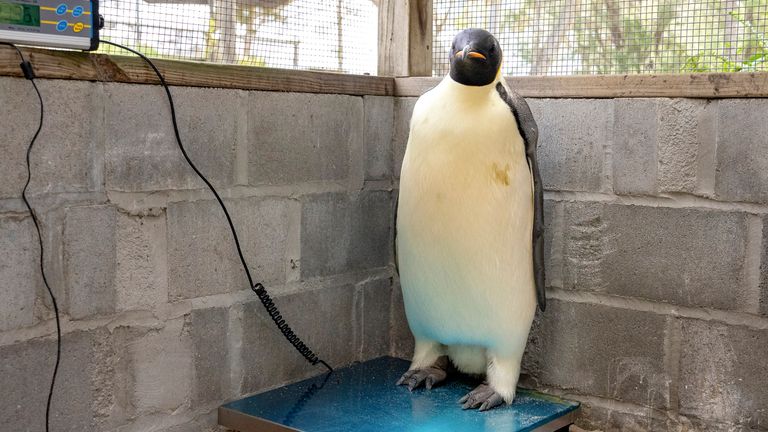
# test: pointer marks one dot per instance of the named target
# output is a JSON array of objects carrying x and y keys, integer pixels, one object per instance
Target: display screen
[{"x": 19, "y": 14}]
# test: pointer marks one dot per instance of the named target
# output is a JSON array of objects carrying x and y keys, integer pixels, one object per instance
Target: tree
[{"x": 225, "y": 14}]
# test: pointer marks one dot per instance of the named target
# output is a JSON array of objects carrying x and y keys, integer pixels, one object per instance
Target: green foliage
[
  {"x": 252, "y": 61},
  {"x": 620, "y": 38},
  {"x": 751, "y": 52}
]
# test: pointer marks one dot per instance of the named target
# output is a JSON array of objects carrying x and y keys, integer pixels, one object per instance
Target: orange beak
[{"x": 470, "y": 54}]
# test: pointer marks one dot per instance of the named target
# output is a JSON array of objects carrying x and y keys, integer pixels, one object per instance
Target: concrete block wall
[
  {"x": 657, "y": 260},
  {"x": 656, "y": 242},
  {"x": 159, "y": 325}
]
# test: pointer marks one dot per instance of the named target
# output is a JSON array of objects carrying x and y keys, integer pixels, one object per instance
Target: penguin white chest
[{"x": 465, "y": 217}]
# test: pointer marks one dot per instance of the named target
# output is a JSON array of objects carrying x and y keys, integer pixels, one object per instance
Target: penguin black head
[{"x": 475, "y": 57}]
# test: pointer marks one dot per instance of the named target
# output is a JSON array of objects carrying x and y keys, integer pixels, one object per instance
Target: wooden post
[{"x": 405, "y": 38}]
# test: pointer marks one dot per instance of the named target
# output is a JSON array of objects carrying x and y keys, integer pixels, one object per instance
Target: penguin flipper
[
  {"x": 530, "y": 133},
  {"x": 394, "y": 236}
]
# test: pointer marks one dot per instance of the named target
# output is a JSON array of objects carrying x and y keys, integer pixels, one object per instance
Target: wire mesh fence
[
  {"x": 337, "y": 35},
  {"x": 567, "y": 37},
  {"x": 539, "y": 37}
]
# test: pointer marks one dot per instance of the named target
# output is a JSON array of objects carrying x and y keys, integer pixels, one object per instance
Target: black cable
[
  {"x": 258, "y": 288},
  {"x": 29, "y": 74}
]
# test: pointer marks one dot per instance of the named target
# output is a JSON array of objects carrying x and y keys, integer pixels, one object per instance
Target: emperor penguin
[{"x": 469, "y": 229}]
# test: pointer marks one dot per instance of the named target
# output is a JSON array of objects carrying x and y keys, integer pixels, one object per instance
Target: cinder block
[
  {"x": 374, "y": 311},
  {"x": 764, "y": 270},
  {"x": 202, "y": 423},
  {"x": 210, "y": 359},
  {"x": 530, "y": 370},
  {"x": 742, "y": 168},
  {"x": 680, "y": 142},
  {"x": 295, "y": 137},
  {"x": 553, "y": 259},
  {"x": 402, "y": 124},
  {"x": 90, "y": 259},
  {"x": 686, "y": 256},
  {"x": 612, "y": 419},
  {"x": 697, "y": 424},
  {"x": 141, "y": 275},
  {"x": 19, "y": 273},
  {"x": 325, "y": 234},
  {"x": 401, "y": 336},
  {"x": 322, "y": 318},
  {"x": 573, "y": 136},
  {"x": 722, "y": 373},
  {"x": 372, "y": 242},
  {"x": 19, "y": 125},
  {"x": 339, "y": 235},
  {"x": 202, "y": 259},
  {"x": 635, "y": 158},
  {"x": 603, "y": 351},
  {"x": 379, "y": 111},
  {"x": 65, "y": 157},
  {"x": 142, "y": 153},
  {"x": 657, "y": 145},
  {"x": 161, "y": 369},
  {"x": 25, "y": 374}
]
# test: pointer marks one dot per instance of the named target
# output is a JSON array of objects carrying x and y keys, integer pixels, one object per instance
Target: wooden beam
[
  {"x": 393, "y": 39},
  {"x": 420, "y": 38},
  {"x": 704, "y": 85},
  {"x": 111, "y": 68},
  {"x": 405, "y": 38}
]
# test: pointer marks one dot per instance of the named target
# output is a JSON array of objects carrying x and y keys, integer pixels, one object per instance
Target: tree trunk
[
  {"x": 224, "y": 19},
  {"x": 545, "y": 53},
  {"x": 250, "y": 30},
  {"x": 732, "y": 28},
  {"x": 340, "y": 27}
]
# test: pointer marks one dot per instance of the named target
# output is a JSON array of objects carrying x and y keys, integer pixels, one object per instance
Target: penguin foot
[
  {"x": 483, "y": 396},
  {"x": 429, "y": 376}
]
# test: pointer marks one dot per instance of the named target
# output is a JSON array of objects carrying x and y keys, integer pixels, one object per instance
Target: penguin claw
[
  {"x": 483, "y": 397},
  {"x": 429, "y": 382},
  {"x": 405, "y": 376},
  {"x": 429, "y": 377}
]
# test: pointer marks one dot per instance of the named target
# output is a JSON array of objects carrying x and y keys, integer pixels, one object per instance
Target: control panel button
[
  {"x": 61, "y": 25},
  {"x": 77, "y": 11},
  {"x": 78, "y": 27},
  {"x": 62, "y": 9}
]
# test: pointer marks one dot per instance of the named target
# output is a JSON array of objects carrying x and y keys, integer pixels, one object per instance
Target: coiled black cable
[
  {"x": 274, "y": 313},
  {"x": 257, "y": 288},
  {"x": 29, "y": 74}
]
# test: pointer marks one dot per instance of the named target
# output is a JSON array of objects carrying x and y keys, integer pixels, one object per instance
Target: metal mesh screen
[
  {"x": 567, "y": 37},
  {"x": 338, "y": 35}
]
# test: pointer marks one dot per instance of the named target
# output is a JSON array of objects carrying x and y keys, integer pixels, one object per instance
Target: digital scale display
[
  {"x": 51, "y": 23},
  {"x": 19, "y": 14}
]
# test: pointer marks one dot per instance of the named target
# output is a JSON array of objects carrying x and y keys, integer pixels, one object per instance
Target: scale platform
[{"x": 364, "y": 398}]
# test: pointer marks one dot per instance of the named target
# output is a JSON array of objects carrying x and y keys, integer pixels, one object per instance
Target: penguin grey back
[{"x": 530, "y": 133}]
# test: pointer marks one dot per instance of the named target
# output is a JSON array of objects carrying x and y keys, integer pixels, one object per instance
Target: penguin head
[{"x": 475, "y": 57}]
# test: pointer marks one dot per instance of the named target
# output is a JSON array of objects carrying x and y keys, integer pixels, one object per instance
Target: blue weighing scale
[{"x": 364, "y": 398}]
